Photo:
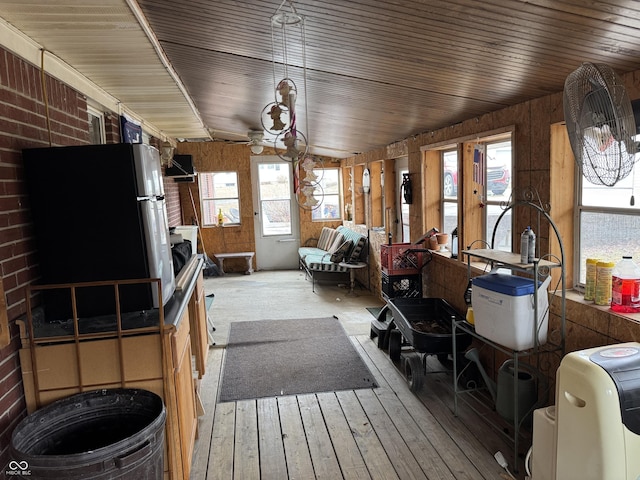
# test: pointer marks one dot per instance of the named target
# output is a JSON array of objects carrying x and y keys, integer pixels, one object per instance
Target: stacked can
[
  {"x": 590, "y": 285},
  {"x": 603, "y": 282}
]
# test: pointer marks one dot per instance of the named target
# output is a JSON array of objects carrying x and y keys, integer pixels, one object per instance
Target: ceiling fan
[{"x": 255, "y": 141}]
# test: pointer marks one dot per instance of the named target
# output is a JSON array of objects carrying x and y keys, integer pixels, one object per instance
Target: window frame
[
  {"x": 322, "y": 195},
  {"x": 579, "y": 263},
  {"x": 450, "y": 199},
  {"x": 202, "y": 176},
  {"x": 471, "y": 212},
  {"x": 92, "y": 113},
  {"x": 490, "y": 202}
]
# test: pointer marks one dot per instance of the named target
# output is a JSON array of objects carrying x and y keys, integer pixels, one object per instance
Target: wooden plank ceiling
[{"x": 376, "y": 71}]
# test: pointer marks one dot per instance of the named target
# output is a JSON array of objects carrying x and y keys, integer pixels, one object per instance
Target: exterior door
[{"x": 277, "y": 223}]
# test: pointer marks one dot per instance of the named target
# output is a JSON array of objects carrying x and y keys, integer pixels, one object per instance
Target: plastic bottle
[
  {"x": 625, "y": 286},
  {"x": 220, "y": 218},
  {"x": 524, "y": 246},
  {"x": 590, "y": 285},
  {"x": 454, "y": 243},
  {"x": 603, "y": 282},
  {"x": 531, "y": 248}
]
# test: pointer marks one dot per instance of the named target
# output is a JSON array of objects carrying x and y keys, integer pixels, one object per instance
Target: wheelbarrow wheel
[
  {"x": 395, "y": 344},
  {"x": 414, "y": 372}
]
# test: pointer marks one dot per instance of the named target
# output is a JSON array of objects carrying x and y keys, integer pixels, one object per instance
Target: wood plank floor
[{"x": 383, "y": 433}]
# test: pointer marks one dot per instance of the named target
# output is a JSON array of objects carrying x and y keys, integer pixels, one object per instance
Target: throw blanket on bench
[{"x": 333, "y": 246}]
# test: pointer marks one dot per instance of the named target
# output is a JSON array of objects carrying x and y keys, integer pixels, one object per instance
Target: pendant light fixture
[{"x": 281, "y": 117}]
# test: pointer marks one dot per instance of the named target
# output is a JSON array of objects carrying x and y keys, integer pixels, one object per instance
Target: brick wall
[
  {"x": 24, "y": 121},
  {"x": 23, "y": 124},
  {"x": 172, "y": 196}
]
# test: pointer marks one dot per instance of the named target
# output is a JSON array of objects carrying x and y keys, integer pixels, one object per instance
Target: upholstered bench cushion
[
  {"x": 359, "y": 242},
  {"x": 304, "y": 251},
  {"x": 322, "y": 263},
  {"x": 327, "y": 238}
]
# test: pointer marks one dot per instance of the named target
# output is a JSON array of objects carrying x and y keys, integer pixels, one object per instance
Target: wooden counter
[{"x": 156, "y": 357}]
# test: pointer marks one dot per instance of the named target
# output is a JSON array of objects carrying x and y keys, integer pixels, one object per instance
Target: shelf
[
  {"x": 508, "y": 258},
  {"x": 547, "y": 347}
]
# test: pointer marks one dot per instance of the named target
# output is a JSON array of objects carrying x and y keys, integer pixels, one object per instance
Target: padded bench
[
  {"x": 342, "y": 243},
  {"x": 248, "y": 256}
]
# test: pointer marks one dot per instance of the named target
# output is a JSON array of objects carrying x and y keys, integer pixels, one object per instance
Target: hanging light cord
[{"x": 44, "y": 94}]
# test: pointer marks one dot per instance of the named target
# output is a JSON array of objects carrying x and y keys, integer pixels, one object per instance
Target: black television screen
[{"x": 181, "y": 165}]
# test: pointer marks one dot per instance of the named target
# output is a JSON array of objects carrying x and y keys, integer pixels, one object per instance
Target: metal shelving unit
[{"x": 540, "y": 268}]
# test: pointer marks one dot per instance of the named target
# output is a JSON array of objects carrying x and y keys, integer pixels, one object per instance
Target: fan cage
[{"x": 600, "y": 123}]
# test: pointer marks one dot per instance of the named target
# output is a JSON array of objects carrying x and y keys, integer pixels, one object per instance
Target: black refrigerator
[{"x": 99, "y": 214}]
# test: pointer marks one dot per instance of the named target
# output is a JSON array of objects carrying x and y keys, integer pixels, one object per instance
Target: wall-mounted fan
[{"x": 600, "y": 123}]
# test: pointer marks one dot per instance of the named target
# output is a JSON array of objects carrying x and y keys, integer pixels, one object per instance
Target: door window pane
[{"x": 274, "y": 190}]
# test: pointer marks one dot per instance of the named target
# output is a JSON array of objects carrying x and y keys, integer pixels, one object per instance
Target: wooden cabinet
[
  {"x": 198, "y": 320},
  {"x": 182, "y": 399},
  {"x": 157, "y": 358}
]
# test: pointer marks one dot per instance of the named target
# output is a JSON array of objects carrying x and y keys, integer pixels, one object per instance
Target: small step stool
[
  {"x": 248, "y": 256},
  {"x": 379, "y": 328}
]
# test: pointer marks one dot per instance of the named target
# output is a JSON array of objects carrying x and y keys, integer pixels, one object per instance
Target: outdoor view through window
[{"x": 609, "y": 220}]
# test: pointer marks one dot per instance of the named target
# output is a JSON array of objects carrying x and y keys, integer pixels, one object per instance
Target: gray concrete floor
[{"x": 270, "y": 295}]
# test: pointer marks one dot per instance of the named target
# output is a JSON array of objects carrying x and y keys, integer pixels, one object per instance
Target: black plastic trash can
[{"x": 105, "y": 434}]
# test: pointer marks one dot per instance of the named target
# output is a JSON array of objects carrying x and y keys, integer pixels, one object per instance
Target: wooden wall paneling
[
  {"x": 431, "y": 187},
  {"x": 562, "y": 187},
  {"x": 471, "y": 224},
  {"x": 376, "y": 195},
  {"x": 358, "y": 196},
  {"x": 347, "y": 190},
  {"x": 416, "y": 166},
  {"x": 391, "y": 196}
]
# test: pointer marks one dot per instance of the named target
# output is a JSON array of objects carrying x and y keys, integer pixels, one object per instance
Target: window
[
  {"x": 219, "y": 192},
  {"x": 96, "y": 126},
  {"x": 327, "y": 191},
  {"x": 449, "y": 190},
  {"x": 498, "y": 166},
  {"x": 403, "y": 174},
  {"x": 476, "y": 179},
  {"x": 609, "y": 221},
  {"x": 274, "y": 195}
]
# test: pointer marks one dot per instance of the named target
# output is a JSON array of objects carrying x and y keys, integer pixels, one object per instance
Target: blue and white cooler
[{"x": 504, "y": 310}]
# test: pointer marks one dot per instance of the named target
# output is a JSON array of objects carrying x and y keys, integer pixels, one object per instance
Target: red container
[{"x": 402, "y": 258}]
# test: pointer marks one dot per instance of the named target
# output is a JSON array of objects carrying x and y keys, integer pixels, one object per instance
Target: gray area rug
[{"x": 271, "y": 358}]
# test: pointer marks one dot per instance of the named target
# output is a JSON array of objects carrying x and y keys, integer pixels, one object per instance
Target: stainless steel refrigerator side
[{"x": 154, "y": 216}]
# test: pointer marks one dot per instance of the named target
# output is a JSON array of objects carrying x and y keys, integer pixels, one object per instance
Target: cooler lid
[{"x": 504, "y": 283}]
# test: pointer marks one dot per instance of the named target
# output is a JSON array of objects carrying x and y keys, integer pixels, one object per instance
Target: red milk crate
[{"x": 402, "y": 258}]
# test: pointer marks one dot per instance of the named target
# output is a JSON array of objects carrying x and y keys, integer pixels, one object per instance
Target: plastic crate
[
  {"x": 402, "y": 286},
  {"x": 402, "y": 258}
]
